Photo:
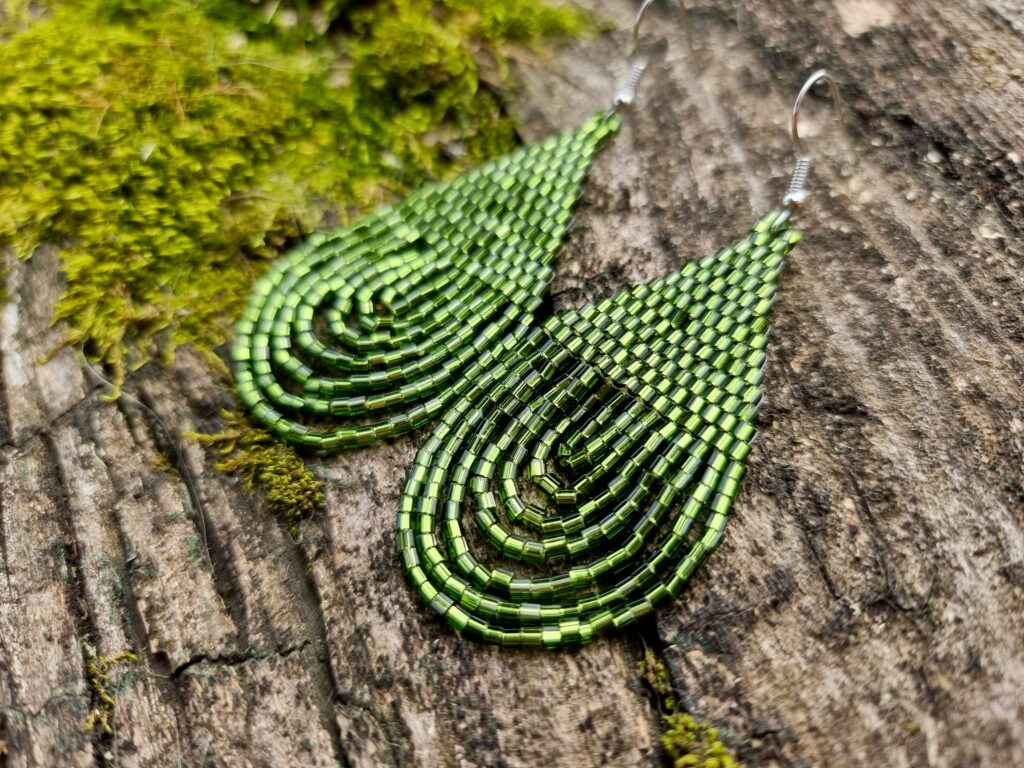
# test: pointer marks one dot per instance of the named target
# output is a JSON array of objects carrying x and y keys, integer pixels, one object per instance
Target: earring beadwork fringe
[
  {"x": 607, "y": 447},
  {"x": 367, "y": 332},
  {"x": 631, "y": 419}
]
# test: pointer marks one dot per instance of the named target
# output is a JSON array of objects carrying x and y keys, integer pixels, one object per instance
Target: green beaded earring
[
  {"x": 367, "y": 332},
  {"x": 609, "y": 443}
]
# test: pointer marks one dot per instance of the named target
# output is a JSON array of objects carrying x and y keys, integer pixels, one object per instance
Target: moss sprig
[
  {"x": 291, "y": 490},
  {"x": 688, "y": 741},
  {"x": 98, "y": 668}
]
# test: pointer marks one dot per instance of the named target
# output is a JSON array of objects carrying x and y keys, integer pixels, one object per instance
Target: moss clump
[
  {"x": 687, "y": 741},
  {"x": 291, "y": 490},
  {"x": 172, "y": 148},
  {"x": 652, "y": 670},
  {"x": 98, "y": 669}
]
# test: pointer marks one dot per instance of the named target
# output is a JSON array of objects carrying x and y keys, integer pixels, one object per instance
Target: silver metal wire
[
  {"x": 626, "y": 92},
  {"x": 635, "y": 35},
  {"x": 797, "y": 192}
]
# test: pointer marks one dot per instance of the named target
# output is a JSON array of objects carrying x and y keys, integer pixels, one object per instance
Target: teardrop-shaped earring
[
  {"x": 367, "y": 332},
  {"x": 610, "y": 442}
]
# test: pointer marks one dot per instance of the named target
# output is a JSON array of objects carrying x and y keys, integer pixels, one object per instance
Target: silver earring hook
[
  {"x": 821, "y": 76},
  {"x": 626, "y": 92},
  {"x": 635, "y": 34},
  {"x": 798, "y": 192}
]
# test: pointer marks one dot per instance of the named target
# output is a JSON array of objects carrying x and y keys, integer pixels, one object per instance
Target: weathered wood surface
[{"x": 867, "y": 606}]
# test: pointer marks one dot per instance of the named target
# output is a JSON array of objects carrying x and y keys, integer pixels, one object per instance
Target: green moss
[
  {"x": 687, "y": 741},
  {"x": 652, "y": 670},
  {"x": 690, "y": 742},
  {"x": 173, "y": 148},
  {"x": 196, "y": 549},
  {"x": 291, "y": 490},
  {"x": 98, "y": 669}
]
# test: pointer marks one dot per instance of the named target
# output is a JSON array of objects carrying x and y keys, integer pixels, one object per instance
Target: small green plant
[
  {"x": 196, "y": 548},
  {"x": 291, "y": 490},
  {"x": 98, "y": 668},
  {"x": 687, "y": 741},
  {"x": 652, "y": 670},
  {"x": 690, "y": 742}
]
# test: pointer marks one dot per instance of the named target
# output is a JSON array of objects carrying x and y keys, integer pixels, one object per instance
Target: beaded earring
[
  {"x": 368, "y": 331},
  {"x": 611, "y": 442}
]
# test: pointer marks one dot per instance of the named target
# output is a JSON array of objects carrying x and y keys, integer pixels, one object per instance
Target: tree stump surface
[{"x": 867, "y": 604}]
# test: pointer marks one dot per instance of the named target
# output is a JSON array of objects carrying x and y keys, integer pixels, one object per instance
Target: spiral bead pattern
[
  {"x": 367, "y": 331},
  {"x": 597, "y": 459}
]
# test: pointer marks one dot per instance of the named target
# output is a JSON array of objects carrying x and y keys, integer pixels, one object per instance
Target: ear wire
[
  {"x": 626, "y": 92},
  {"x": 797, "y": 192}
]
